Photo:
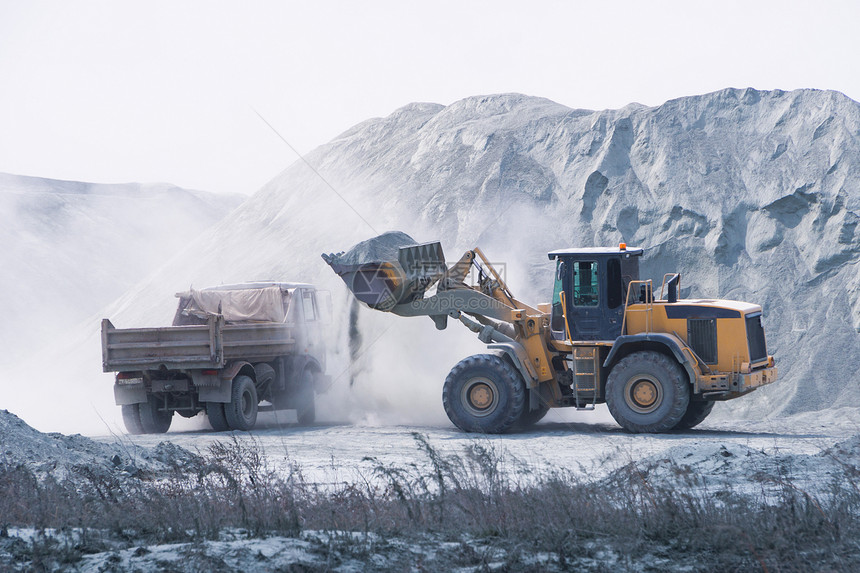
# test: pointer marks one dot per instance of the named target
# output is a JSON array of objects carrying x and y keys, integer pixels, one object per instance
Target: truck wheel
[
  {"x": 217, "y": 417},
  {"x": 241, "y": 411},
  {"x": 532, "y": 417},
  {"x": 131, "y": 418},
  {"x": 153, "y": 420},
  {"x": 695, "y": 414},
  {"x": 305, "y": 408},
  {"x": 647, "y": 392},
  {"x": 483, "y": 393}
]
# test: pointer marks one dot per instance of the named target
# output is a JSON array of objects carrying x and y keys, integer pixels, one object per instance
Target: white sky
[{"x": 166, "y": 91}]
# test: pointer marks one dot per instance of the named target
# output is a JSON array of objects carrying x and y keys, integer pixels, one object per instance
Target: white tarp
[{"x": 241, "y": 305}]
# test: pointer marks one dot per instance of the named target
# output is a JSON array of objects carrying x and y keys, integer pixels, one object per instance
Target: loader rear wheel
[
  {"x": 217, "y": 417},
  {"x": 647, "y": 392},
  {"x": 483, "y": 393},
  {"x": 241, "y": 411},
  {"x": 695, "y": 414},
  {"x": 131, "y": 418},
  {"x": 152, "y": 419},
  {"x": 305, "y": 409}
]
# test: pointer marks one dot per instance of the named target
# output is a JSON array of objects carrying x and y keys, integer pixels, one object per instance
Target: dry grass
[{"x": 471, "y": 499}]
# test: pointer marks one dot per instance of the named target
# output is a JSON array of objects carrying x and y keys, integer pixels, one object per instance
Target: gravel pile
[{"x": 61, "y": 457}]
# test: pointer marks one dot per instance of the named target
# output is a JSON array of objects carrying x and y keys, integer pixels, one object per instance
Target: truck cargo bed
[{"x": 187, "y": 347}]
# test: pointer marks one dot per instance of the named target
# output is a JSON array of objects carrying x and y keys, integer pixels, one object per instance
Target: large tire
[
  {"x": 483, "y": 393},
  {"x": 305, "y": 408},
  {"x": 131, "y": 418},
  {"x": 153, "y": 420},
  {"x": 217, "y": 417},
  {"x": 647, "y": 392},
  {"x": 241, "y": 411},
  {"x": 695, "y": 414},
  {"x": 531, "y": 417}
]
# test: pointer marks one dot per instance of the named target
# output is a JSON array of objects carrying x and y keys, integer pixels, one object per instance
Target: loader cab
[{"x": 593, "y": 282}]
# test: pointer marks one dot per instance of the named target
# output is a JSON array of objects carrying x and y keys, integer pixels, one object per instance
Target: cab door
[
  {"x": 312, "y": 324},
  {"x": 580, "y": 282},
  {"x": 584, "y": 299}
]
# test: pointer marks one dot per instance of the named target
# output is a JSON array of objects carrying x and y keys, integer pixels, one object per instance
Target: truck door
[{"x": 312, "y": 324}]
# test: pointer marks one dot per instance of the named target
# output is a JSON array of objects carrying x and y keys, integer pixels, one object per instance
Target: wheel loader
[{"x": 658, "y": 362}]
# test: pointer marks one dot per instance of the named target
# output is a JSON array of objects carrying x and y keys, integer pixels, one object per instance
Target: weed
[{"x": 474, "y": 499}]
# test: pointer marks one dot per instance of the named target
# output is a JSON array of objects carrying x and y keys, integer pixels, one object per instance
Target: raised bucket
[{"x": 389, "y": 270}]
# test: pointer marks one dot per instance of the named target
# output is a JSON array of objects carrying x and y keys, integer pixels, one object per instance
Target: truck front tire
[
  {"x": 647, "y": 392},
  {"x": 305, "y": 408},
  {"x": 241, "y": 411},
  {"x": 153, "y": 420},
  {"x": 483, "y": 393}
]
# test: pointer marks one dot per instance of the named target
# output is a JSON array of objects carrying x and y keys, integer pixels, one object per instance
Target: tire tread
[
  {"x": 512, "y": 383},
  {"x": 695, "y": 414},
  {"x": 620, "y": 375}
]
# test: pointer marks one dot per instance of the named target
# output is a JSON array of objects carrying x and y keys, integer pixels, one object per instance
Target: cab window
[
  {"x": 558, "y": 286},
  {"x": 308, "y": 305},
  {"x": 585, "y": 284},
  {"x": 557, "y": 316}
]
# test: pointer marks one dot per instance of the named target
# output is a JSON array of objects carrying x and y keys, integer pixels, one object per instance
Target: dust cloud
[{"x": 711, "y": 186}]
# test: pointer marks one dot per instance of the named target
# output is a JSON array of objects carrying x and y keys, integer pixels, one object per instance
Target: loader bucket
[{"x": 389, "y": 270}]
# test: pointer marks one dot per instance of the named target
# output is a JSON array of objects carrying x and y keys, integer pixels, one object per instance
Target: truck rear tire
[
  {"x": 647, "y": 392},
  {"x": 153, "y": 420},
  {"x": 217, "y": 417},
  {"x": 305, "y": 408},
  {"x": 131, "y": 418},
  {"x": 241, "y": 411},
  {"x": 695, "y": 414},
  {"x": 483, "y": 393}
]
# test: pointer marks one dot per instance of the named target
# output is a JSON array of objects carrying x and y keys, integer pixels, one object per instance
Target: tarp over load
[
  {"x": 253, "y": 304},
  {"x": 389, "y": 270}
]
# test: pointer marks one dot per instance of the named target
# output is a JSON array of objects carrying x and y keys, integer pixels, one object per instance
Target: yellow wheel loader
[{"x": 658, "y": 363}]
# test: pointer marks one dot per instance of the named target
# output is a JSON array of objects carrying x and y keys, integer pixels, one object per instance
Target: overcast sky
[{"x": 167, "y": 91}]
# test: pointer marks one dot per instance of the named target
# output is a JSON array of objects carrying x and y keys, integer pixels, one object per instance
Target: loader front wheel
[
  {"x": 241, "y": 410},
  {"x": 647, "y": 392},
  {"x": 695, "y": 414},
  {"x": 305, "y": 409},
  {"x": 532, "y": 417},
  {"x": 483, "y": 393}
]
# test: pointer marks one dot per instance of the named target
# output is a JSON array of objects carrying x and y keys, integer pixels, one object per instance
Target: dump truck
[
  {"x": 231, "y": 352},
  {"x": 657, "y": 361}
]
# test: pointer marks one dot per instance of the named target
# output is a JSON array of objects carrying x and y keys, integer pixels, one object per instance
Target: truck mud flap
[
  {"x": 220, "y": 393},
  {"x": 125, "y": 395}
]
